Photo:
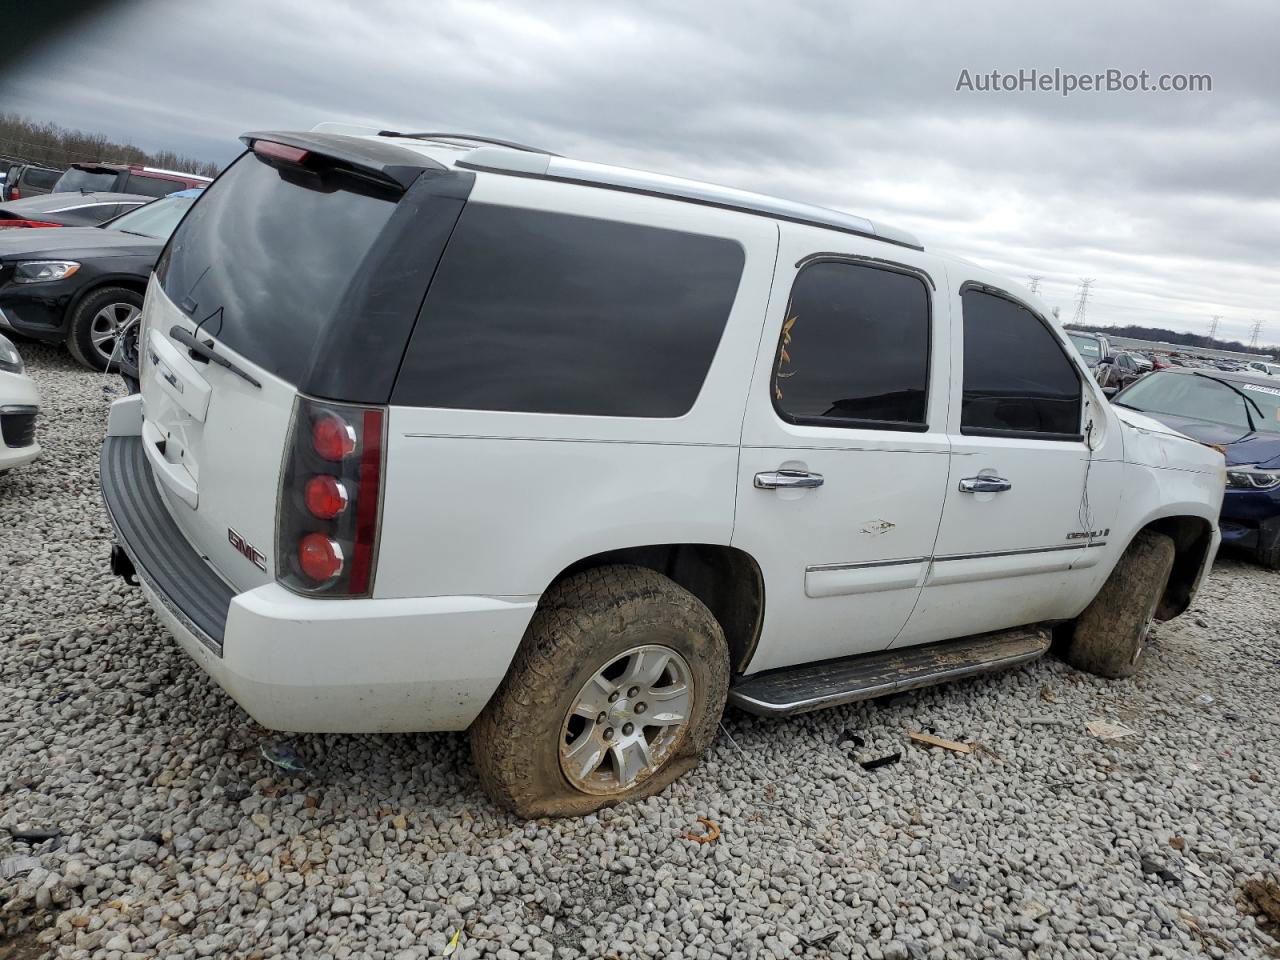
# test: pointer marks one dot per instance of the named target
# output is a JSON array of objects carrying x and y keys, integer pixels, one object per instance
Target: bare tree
[{"x": 49, "y": 144}]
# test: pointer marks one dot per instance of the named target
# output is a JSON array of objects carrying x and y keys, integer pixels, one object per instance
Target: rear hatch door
[{"x": 255, "y": 275}]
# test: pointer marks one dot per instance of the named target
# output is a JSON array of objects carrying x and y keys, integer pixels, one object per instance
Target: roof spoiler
[{"x": 386, "y": 161}]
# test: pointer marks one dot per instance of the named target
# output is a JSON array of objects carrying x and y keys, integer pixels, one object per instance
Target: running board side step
[{"x": 828, "y": 683}]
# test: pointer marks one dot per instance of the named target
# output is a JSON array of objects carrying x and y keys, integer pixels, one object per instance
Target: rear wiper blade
[{"x": 206, "y": 351}]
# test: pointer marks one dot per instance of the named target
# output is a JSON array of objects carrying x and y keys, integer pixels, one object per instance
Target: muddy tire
[
  {"x": 97, "y": 324},
  {"x": 613, "y": 656},
  {"x": 1109, "y": 637}
]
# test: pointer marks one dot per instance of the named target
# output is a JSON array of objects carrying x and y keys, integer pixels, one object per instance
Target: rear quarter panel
[{"x": 497, "y": 503}]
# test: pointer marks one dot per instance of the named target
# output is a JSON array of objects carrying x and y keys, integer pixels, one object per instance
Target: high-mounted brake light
[
  {"x": 280, "y": 151},
  {"x": 330, "y": 494}
]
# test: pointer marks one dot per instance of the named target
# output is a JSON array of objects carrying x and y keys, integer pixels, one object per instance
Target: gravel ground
[{"x": 179, "y": 840}]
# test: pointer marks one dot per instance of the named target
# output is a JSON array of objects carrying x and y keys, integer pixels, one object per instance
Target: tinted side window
[
  {"x": 854, "y": 349},
  {"x": 152, "y": 186},
  {"x": 552, "y": 313},
  {"x": 1017, "y": 379}
]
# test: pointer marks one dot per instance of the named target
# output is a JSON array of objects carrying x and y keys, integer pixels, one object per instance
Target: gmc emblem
[{"x": 247, "y": 549}]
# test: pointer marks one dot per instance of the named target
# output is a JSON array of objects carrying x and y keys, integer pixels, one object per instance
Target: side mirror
[
  {"x": 1107, "y": 360},
  {"x": 1110, "y": 392}
]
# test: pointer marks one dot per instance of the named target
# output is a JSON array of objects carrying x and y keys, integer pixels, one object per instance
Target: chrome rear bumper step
[{"x": 827, "y": 683}]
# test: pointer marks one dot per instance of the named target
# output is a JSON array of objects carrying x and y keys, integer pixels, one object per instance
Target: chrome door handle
[
  {"x": 985, "y": 485},
  {"x": 787, "y": 480}
]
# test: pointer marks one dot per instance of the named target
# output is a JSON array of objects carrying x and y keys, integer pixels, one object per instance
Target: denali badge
[
  {"x": 251, "y": 553},
  {"x": 1088, "y": 534}
]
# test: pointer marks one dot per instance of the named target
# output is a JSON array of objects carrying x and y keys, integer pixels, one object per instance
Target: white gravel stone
[{"x": 180, "y": 841}]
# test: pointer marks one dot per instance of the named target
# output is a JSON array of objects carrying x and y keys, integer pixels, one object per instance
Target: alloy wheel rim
[
  {"x": 627, "y": 720},
  {"x": 107, "y": 325}
]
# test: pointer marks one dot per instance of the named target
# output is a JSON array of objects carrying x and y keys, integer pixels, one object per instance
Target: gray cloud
[{"x": 1169, "y": 200}]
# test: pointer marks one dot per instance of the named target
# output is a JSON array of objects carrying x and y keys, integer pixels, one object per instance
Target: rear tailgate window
[{"x": 263, "y": 259}]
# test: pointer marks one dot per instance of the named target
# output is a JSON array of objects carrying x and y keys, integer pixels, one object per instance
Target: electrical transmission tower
[
  {"x": 1082, "y": 300},
  {"x": 1213, "y": 325},
  {"x": 1253, "y": 336},
  {"x": 1035, "y": 283}
]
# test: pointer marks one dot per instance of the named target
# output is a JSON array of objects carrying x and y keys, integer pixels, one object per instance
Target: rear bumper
[{"x": 306, "y": 665}]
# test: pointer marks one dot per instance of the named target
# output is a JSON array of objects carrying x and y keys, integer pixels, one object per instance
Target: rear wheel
[
  {"x": 101, "y": 326},
  {"x": 1109, "y": 638},
  {"x": 616, "y": 690}
]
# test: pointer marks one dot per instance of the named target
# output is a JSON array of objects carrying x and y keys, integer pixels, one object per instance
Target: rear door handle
[
  {"x": 985, "y": 485},
  {"x": 787, "y": 480}
]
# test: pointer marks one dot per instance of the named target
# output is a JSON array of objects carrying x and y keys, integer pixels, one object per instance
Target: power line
[{"x": 1082, "y": 300}]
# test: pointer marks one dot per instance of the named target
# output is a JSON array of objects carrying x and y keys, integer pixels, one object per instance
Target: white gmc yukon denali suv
[{"x": 441, "y": 433}]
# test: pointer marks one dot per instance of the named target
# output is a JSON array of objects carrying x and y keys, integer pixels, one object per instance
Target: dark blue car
[{"x": 1240, "y": 413}]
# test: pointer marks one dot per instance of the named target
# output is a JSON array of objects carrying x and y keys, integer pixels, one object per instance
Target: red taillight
[
  {"x": 326, "y": 497},
  {"x": 367, "y": 508},
  {"x": 15, "y": 194},
  {"x": 333, "y": 438},
  {"x": 330, "y": 499},
  {"x": 319, "y": 557},
  {"x": 280, "y": 151},
  {"x": 28, "y": 223}
]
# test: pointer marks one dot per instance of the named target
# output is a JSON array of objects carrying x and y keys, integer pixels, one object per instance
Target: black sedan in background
[
  {"x": 84, "y": 285},
  {"x": 68, "y": 209}
]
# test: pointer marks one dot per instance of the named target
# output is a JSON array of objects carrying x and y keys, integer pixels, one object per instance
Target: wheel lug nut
[
  {"x": 628, "y": 729},
  {"x": 632, "y": 692},
  {"x": 613, "y": 696},
  {"x": 608, "y": 733},
  {"x": 641, "y": 708},
  {"x": 602, "y": 717}
]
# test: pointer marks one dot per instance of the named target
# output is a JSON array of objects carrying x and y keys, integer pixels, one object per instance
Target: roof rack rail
[
  {"x": 551, "y": 167},
  {"x": 468, "y": 138}
]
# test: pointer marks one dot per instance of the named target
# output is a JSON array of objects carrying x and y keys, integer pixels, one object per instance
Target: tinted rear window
[
  {"x": 552, "y": 313},
  {"x": 44, "y": 179},
  {"x": 264, "y": 257},
  {"x": 86, "y": 181}
]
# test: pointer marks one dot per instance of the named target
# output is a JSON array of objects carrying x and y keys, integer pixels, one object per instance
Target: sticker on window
[{"x": 1259, "y": 389}]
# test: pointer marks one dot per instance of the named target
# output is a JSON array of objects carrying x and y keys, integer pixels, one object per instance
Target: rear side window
[
  {"x": 264, "y": 256},
  {"x": 43, "y": 179},
  {"x": 1017, "y": 379},
  {"x": 152, "y": 186},
  {"x": 854, "y": 350},
  {"x": 552, "y": 313}
]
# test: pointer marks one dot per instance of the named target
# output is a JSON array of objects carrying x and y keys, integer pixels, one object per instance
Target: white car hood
[{"x": 1140, "y": 420}]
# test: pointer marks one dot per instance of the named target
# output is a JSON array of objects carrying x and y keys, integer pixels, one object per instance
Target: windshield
[
  {"x": 85, "y": 181},
  {"x": 1087, "y": 346},
  {"x": 1206, "y": 400},
  {"x": 156, "y": 219},
  {"x": 269, "y": 253}
]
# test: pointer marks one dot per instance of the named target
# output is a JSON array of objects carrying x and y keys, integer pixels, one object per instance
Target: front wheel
[
  {"x": 1108, "y": 639},
  {"x": 616, "y": 691},
  {"x": 98, "y": 334}
]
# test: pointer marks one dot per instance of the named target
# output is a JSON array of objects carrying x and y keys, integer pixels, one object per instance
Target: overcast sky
[{"x": 1170, "y": 200}]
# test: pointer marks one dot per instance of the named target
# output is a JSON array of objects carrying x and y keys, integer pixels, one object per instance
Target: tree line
[
  {"x": 1183, "y": 338},
  {"x": 52, "y": 145}
]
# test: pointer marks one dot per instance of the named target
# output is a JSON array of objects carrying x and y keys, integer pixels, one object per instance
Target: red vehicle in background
[{"x": 126, "y": 178}]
